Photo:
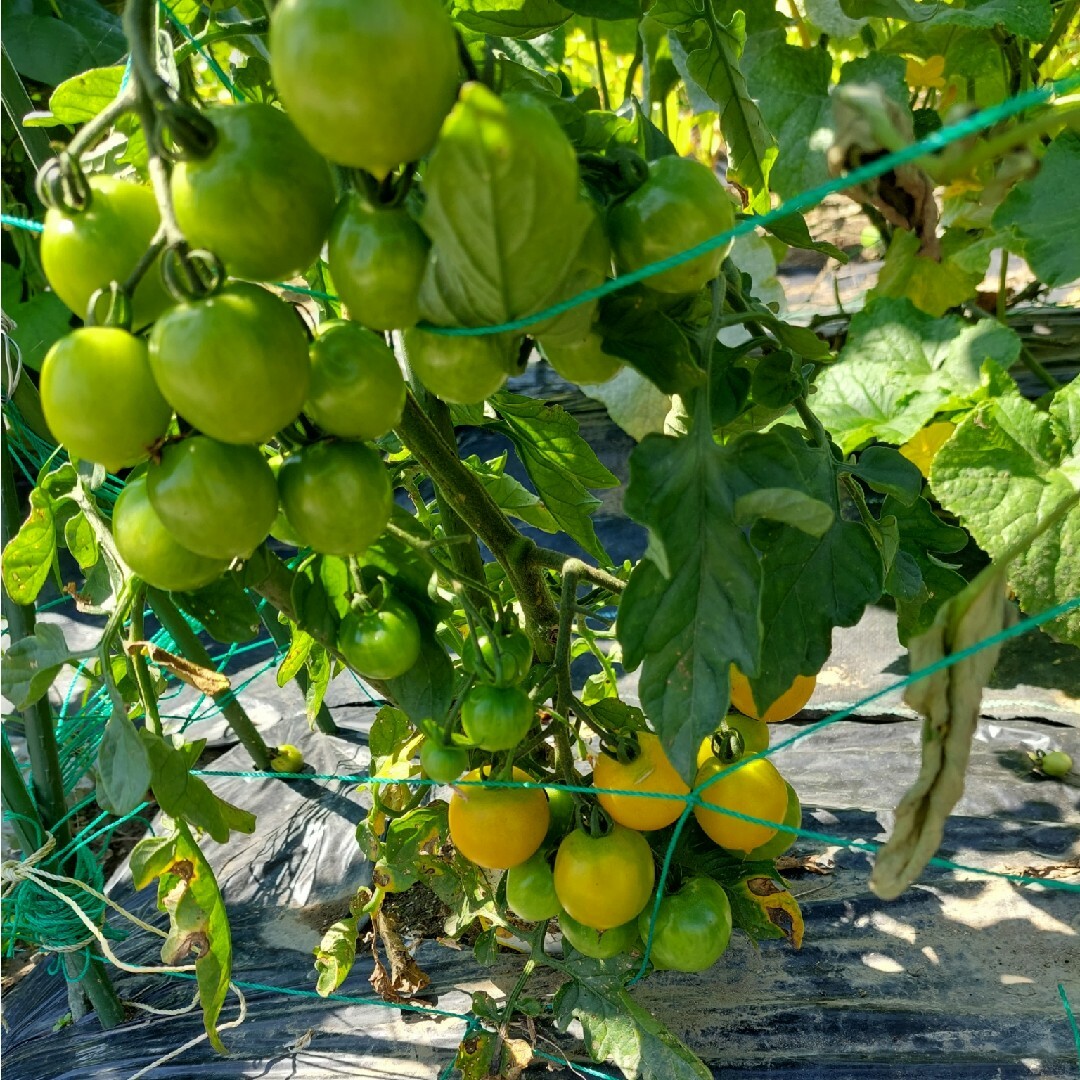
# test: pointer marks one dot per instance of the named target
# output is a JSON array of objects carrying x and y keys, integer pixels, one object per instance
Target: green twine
[{"x": 1071, "y": 1016}]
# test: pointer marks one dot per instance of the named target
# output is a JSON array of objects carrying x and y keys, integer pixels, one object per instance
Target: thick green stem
[
  {"x": 480, "y": 513},
  {"x": 189, "y": 645},
  {"x": 324, "y": 722},
  {"x": 601, "y": 75},
  {"x": 1061, "y": 24},
  {"x": 137, "y": 632},
  {"x": 812, "y": 423}
]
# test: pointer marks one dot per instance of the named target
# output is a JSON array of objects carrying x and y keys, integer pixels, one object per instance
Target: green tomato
[
  {"x": 377, "y": 257},
  {"x": 288, "y": 759},
  {"x": 381, "y": 644},
  {"x": 782, "y": 841},
  {"x": 693, "y": 927},
  {"x": 281, "y": 529},
  {"x": 150, "y": 550},
  {"x": 357, "y": 391},
  {"x": 562, "y": 808},
  {"x": 100, "y": 399},
  {"x": 496, "y": 717},
  {"x": 505, "y": 661},
  {"x": 584, "y": 362},
  {"x": 443, "y": 764},
  {"x": 1056, "y": 763},
  {"x": 367, "y": 84},
  {"x": 680, "y": 205},
  {"x": 217, "y": 500},
  {"x": 336, "y": 496},
  {"x": 530, "y": 890},
  {"x": 261, "y": 200},
  {"x": 460, "y": 370},
  {"x": 234, "y": 365},
  {"x": 85, "y": 251},
  {"x": 599, "y": 944}
]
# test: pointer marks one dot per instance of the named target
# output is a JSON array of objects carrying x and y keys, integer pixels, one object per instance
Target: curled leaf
[{"x": 205, "y": 680}]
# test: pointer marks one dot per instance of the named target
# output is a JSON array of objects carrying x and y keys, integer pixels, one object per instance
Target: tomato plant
[{"x": 489, "y": 199}]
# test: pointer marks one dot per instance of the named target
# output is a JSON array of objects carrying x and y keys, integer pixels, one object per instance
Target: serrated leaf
[
  {"x": 793, "y": 231},
  {"x": 932, "y": 285},
  {"x": 123, "y": 767},
  {"x": 560, "y": 463},
  {"x": 1008, "y": 469},
  {"x": 1047, "y": 226},
  {"x": 786, "y": 506},
  {"x": 687, "y": 629},
  {"x": 224, "y": 610},
  {"x": 887, "y": 471},
  {"x": 81, "y": 541},
  {"x": 495, "y": 256},
  {"x": 295, "y": 658},
  {"x": 32, "y": 664},
  {"x": 425, "y": 691},
  {"x": 80, "y": 99},
  {"x": 511, "y": 496},
  {"x": 390, "y": 732},
  {"x": 30, "y": 554},
  {"x": 899, "y": 366},
  {"x": 510, "y": 18}
]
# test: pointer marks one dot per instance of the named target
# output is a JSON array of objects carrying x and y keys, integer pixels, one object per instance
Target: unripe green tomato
[
  {"x": 443, "y": 764},
  {"x": 496, "y": 717},
  {"x": 150, "y": 550},
  {"x": 1056, "y": 763},
  {"x": 336, "y": 496},
  {"x": 599, "y": 944},
  {"x": 782, "y": 841},
  {"x": 100, "y": 399},
  {"x": 381, "y": 644},
  {"x": 530, "y": 890},
  {"x": 261, "y": 200},
  {"x": 562, "y": 807},
  {"x": 377, "y": 256},
  {"x": 217, "y": 500},
  {"x": 85, "y": 251},
  {"x": 681, "y": 204},
  {"x": 460, "y": 370},
  {"x": 287, "y": 759},
  {"x": 281, "y": 529},
  {"x": 693, "y": 927},
  {"x": 235, "y": 365},
  {"x": 584, "y": 362},
  {"x": 506, "y": 660},
  {"x": 357, "y": 391},
  {"x": 367, "y": 84}
]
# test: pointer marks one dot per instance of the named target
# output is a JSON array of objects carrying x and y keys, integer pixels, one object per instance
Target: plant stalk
[{"x": 324, "y": 721}]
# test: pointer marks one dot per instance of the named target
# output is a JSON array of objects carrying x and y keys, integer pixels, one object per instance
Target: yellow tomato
[
  {"x": 649, "y": 771},
  {"x": 790, "y": 702},
  {"x": 755, "y": 736},
  {"x": 755, "y": 788},
  {"x": 498, "y": 827}
]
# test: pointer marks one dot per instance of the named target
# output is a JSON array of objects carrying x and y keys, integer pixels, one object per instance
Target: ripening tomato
[
  {"x": 755, "y": 736},
  {"x": 599, "y": 944},
  {"x": 754, "y": 788},
  {"x": 604, "y": 881},
  {"x": 693, "y": 927},
  {"x": 368, "y": 84},
  {"x": 235, "y": 365},
  {"x": 357, "y": 391},
  {"x": 496, "y": 717},
  {"x": 530, "y": 890},
  {"x": 217, "y": 500},
  {"x": 584, "y": 362},
  {"x": 649, "y": 771},
  {"x": 149, "y": 549},
  {"x": 681, "y": 204},
  {"x": 441, "y": 763},
  {"x": 377, "y": 257},
  {"x": 498, "y": 827},
  {"x": 790, "y": 702},
  {"x": 460, "y": 370},
  {"x": 85, "y": 251},
  {"x": 261, "y": 200},
  {"x": 782, "y": 841},
  {"x": 336, "y": 496},
  {"x": 381, "y": 644},
  {"x": 287, "y": 759},
  {"x": 100, "y": 399}
]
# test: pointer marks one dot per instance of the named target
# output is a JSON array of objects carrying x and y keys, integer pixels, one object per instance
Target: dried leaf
[
  {"x": 405, "y": 979},
  {"x": 205, "y": 680}
]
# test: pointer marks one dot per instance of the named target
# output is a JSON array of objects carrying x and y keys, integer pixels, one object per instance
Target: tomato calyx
[
  {"x": 191, "y": 274},
  {"x": 728, "y": 744},
  {"x": 61, "y": 184}
]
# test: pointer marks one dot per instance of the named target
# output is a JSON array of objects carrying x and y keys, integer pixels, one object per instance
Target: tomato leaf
[
  {"x": 31, "y": 552},
  {"x": 390, "y": 732},
  {"x": 510, "y": 18},
  {"x": 224, "y": 610},
  {"x": 335, "y": 955},
  {"x": 495, "y": 255},
  {"x": 510, "y": 495},
  {"x": 691, "y": 608},
  {"x": 1008, "y": 470},
  {"x": 425, "y": 691},
  {"x": 299, "y": 647},
  {"x": 320, "y": 670},
  {"x": 887, "y": 471},
  {"x": 81, "y": 98},
  {"x": 31, "y": 665},
  {"x": 793, "y": 231},
  {"x": 123, "y": 766}
]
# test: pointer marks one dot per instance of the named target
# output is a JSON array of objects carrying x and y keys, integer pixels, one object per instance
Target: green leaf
[
  {"x": 31, "y": 552},
  {"x": 495, "y": 255},
  {"x": 560, "y": 463},
  {"x": 390, "y": 732},
  {"x": 32, "y": 664},
  {"x": 425, "y": 691},
  {"x": 887, "y": 471},
  {"x": 709, "y": 56},
  {"x": 510, "y": 18},
  {"x": 50, "y": 50},
  {"x": 40, "y": 322},
  {"x": 80, "y": 99},
  {"x": 296, "y": 657},
  {"x": 1047, "y": 226},
  {"x": 319, "y": 608},
  {"x": 637, "y": 331},
  {"x": 786, "y": 506},
  {"x": 224, "y": 610},
  {"x": 900, "y": 366},
  {"x": 617, "y": 1029},
  {"x": 510, "y": 495},
  {"x": 81, "y": 540},
  {"x": 931, "y": 285},
  {"x": 1007, "y": 471},
  {"x": 606, "y": 9},
  {"x": 186, "y": 797},
  {"x": 691, "y": 608},
  {"x": 335, "y": 955},
  {"x": 810, "y": 584},
  {"x": 150, "y": 858},
  {"x": 793, "y": 231},
  {"x": 123, "y": 766},
  {"x": 1024, "y": 18},
  {"x": 320, "y": 671}
]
